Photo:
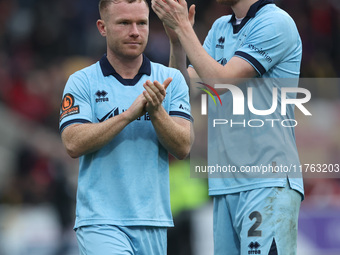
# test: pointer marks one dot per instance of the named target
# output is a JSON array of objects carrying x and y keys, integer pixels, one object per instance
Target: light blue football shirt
[
  {"x": 268, "y": 39},
  {"x": 125, "y": 183}
]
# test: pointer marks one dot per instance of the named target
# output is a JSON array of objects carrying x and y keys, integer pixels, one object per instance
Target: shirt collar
[
  {"x": 253, "y": 9},
  {"x": 108, "y": 69}
]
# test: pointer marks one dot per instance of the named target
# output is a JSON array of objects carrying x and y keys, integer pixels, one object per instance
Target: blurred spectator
[
  {"x": 40, "y": 180},
  {"x": 36, "y": 34},
  {"x": 43, "y": 42}
]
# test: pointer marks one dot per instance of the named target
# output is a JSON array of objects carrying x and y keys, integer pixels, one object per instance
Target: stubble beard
[{"x": 123, "y": 52}]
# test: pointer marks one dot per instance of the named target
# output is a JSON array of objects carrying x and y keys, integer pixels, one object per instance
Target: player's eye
[{"x": 142, "y": 23}]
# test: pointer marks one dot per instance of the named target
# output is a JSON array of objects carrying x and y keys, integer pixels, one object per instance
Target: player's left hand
[
  {"x": 154, "y": 94},
  {"x": 173, "y": 13}
]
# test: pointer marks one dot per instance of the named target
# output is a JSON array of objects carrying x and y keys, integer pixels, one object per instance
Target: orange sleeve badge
[{"x": 67, "y": 106}]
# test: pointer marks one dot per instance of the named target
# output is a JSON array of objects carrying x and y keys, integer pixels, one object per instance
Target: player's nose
[{"x": 134, "y": 32}]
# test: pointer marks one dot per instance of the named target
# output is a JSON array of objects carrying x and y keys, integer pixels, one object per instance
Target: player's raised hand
[
  {"x": 154, "y": 94},
  {"x": 173, "y": 13},
  {"x": 172, "y": 34}
]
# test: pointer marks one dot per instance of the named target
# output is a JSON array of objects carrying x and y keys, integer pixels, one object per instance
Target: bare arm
[
  {"x": 174, "y": 133},
  {"x": 178, "y": 57},
  {"x": 80, "y": 139},
  {"x": 175, "y": 15}
]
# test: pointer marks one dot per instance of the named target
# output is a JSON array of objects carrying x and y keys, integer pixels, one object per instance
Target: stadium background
[{"x": 43, "y": 42}]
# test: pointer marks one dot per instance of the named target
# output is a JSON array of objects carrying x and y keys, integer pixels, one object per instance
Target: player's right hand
[
  {"x": 137, "y": 109},
  {"x": 171, "y": 33},
  {"x": 154, "y": 94},
  {"x": 172, "y": 13}
]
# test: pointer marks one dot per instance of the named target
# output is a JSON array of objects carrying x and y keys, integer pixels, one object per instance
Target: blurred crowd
[{"x": 43, "y": 42}]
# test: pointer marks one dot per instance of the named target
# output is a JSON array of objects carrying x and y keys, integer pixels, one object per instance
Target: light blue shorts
[
  {"x": 114, "y": 240},
  {"x": 260, "y": 221}
]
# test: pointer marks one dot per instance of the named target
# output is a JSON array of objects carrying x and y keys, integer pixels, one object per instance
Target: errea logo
[
  {"x": 220, "y": 43},
  {"x": 101, "y": 96},
  {"x": 254, "y": 248}
]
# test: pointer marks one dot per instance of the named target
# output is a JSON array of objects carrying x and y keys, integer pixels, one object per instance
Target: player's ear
[{"x": 101, "y": 27}]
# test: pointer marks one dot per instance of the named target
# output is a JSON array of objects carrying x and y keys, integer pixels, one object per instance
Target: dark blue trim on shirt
[
  {"x": 67, "y": 123},
  {"x": 108, "y": 69},
  {"x": 259, "y": 67},
  {"x": 250, "y": 14},
  {"x": 181, "y": 114}
]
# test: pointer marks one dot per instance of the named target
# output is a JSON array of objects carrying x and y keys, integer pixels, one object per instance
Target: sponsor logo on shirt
[
  {"x": 110, "y": 114},
  {"x": 116, "y": 111},
  {"x": 184, "y": 108},
  {"x": 261, "y": 52},
  {"x": 222, "y": 61}
]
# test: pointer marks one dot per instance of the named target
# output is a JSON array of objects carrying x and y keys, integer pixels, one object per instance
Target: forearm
[
  {"x": 174, "y": 133},
  {"x": 178, "y": 60},
  {"x": 175, "y": 16},
  {"x": 205, "y": 66},
  {"x": 81, "y": 139}
]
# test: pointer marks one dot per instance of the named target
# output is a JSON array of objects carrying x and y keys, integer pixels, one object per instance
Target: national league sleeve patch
[{"x": 67, "y": 107}]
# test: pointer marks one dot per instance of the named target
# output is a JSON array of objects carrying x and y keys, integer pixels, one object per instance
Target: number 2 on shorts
[{"x": 253, "y": 229}]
